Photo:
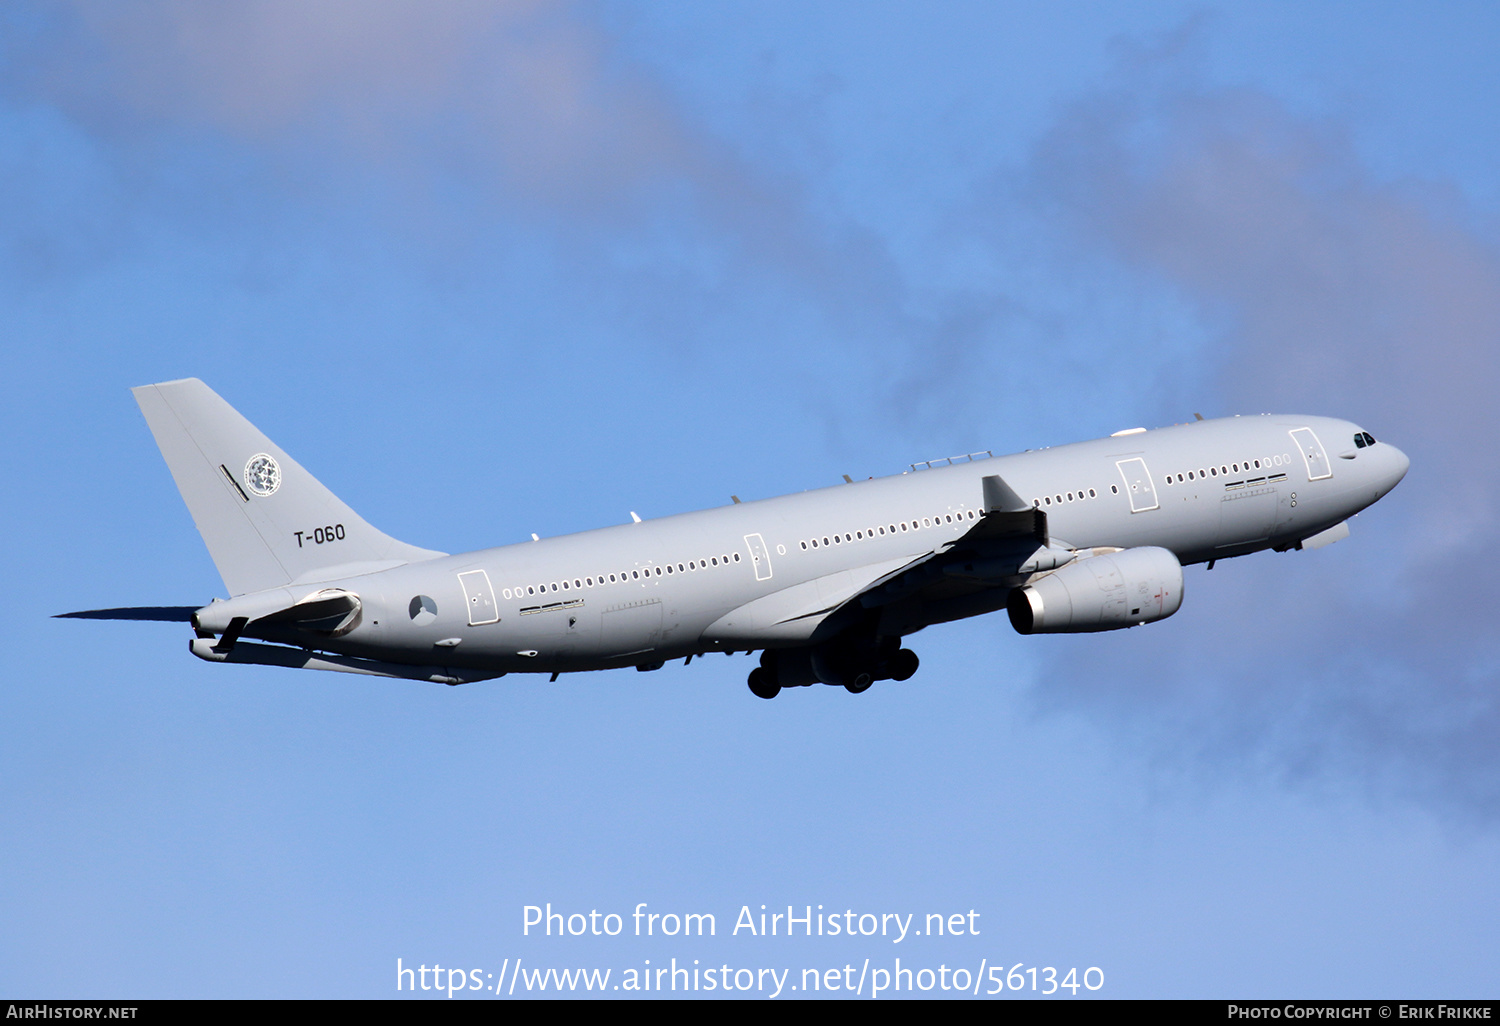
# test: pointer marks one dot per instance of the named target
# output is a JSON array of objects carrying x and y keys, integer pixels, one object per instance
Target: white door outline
[
  {"x": 759, "y": 556},
  {"x": 480, "y": 596},
  {"x": 1313, "y": 454},
  {"x": 1138, "y": 485}
]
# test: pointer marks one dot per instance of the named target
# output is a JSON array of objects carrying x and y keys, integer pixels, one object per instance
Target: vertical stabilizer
[{"x": 266, "y": 520}]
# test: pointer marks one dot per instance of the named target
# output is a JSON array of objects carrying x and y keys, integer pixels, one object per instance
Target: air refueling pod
[{"x": 1100, "y": 593}]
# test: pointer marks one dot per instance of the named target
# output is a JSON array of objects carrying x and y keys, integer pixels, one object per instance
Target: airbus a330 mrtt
[{"x": 825, "y": 584}]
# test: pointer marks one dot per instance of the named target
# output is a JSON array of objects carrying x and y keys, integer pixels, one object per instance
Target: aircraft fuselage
[
  {"x": 825, "y": 584},
  {"x": 642, "y": 593}
]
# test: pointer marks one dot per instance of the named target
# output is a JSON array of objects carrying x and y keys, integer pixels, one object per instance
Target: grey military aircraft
[{"x": 1091, "y": 536}]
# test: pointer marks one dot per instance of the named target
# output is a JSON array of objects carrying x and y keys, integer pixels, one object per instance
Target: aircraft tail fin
[{"x": 266, "y": 521}]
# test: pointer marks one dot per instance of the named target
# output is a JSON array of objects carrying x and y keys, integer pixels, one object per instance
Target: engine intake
[{"x": 1101, "y": 593}]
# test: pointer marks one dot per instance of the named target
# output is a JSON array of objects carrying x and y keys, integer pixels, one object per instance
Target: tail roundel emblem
[{"x": 262, "y": 475}]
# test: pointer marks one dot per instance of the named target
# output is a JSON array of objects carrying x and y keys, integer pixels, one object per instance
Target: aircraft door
[
  {"x": 1247, "y": 515},
  {"x": 1138, "y": 485},
  {"x": 1313, "y": 455},
  {"x": 759, "y": 556},
  {"x": 631, "y": 627},
  {"x": 480, "y": 596}
]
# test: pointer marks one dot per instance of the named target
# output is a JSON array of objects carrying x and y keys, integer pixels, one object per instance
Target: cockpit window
[
  {"x": 1369, "y": 438},
  {"x": 1359, "y": 440}
]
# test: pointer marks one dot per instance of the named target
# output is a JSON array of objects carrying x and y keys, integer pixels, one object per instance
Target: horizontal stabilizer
[{"x": 165, "y": 614}]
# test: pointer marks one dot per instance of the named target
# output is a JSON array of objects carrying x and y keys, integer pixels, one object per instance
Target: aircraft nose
[{"x": 1397, "y": 465}]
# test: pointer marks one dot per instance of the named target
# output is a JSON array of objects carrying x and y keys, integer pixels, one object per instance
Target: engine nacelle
[{"x": 1101, "y": 593}]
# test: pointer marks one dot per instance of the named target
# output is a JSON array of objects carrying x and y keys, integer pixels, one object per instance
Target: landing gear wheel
[
  {"x": 904, "y": 664},
  {"x": 860, "y": 684},
  {"x": 762, "y": 684}
]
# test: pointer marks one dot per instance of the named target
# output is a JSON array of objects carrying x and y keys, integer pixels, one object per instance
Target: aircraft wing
[
  {"x": 1000, "y": 543},
  {"x": 1010, "y": 539}
]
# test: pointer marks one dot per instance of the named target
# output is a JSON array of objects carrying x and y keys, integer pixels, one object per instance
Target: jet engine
[{"x": 1100, "y": 593}]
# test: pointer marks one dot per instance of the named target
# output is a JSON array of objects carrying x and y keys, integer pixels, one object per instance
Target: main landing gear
[
  {"x": 762, "y": 684},
  {"x": 854, "y": 670}
]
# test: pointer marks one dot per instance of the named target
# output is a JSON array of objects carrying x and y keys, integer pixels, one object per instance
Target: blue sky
[{"x": 490, "y": 269}]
